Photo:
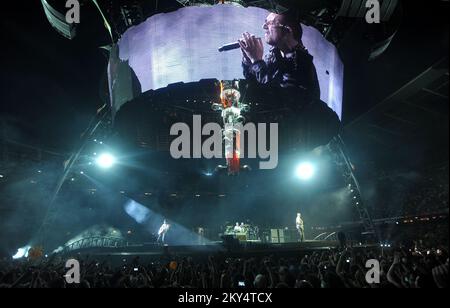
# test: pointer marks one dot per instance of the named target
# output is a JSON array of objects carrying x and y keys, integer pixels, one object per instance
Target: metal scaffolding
[{"x": 342, "y": 160}]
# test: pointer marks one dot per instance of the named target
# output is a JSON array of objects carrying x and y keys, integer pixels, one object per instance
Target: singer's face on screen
[{"x": 273, "y": 27}]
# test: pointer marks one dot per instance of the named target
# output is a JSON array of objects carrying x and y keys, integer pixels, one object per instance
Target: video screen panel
[{"x": 182, "y": 46}]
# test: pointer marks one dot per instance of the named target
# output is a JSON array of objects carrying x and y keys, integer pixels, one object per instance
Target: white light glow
[
  {"x": 21, "y": 253},
  {"x": 305, "y": 171},
  {"x": 106, "y": 160}
]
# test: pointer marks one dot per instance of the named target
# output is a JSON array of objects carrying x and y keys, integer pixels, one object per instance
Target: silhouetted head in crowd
[{"x": 260, "y": 282}]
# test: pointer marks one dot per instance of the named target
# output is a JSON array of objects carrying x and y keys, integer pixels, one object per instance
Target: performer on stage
[
  {"x": 300, "y": 227},
  {"x": 201, "y": 236},
  {"x": 237, "y": 228},
  {"x": 163, "y": 231}
]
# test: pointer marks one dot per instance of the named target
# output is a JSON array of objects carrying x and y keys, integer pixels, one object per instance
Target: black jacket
[{"x": 296, "y": 71}]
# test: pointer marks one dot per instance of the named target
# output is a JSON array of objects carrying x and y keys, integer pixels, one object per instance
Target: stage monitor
[{"x": 182, "y": 46}]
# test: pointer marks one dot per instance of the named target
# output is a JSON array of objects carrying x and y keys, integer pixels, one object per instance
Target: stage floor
[{"x": 152, "y": 250}]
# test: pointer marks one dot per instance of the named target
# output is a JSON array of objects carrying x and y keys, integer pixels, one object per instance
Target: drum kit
[{"x": 246, "y": 232}]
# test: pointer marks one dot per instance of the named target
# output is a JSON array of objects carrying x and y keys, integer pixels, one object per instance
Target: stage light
[
  {"x": 21, "y": 253},
  {"x": 305, "y": 171},
  {"x": 138, "y": 212},
  {"x": 106, "y": 161}
]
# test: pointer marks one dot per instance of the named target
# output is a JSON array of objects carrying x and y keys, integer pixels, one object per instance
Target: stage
[{"x": 152, "y": 251}]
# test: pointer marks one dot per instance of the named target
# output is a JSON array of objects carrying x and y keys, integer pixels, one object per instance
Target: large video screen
[{"x": 182, "y": 46}]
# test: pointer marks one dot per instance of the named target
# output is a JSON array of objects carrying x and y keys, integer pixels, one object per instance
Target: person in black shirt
[{"x": 288, "y": 63}]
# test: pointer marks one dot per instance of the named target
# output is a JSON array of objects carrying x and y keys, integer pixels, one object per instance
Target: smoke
[
  {"x": 29, "y": 176},
  {"x": 385, "y": 196},
  {"x": 25, "y": 194},
  {"x": 330, "y": 208},
  {"x": 27, "y": 190},
  {"x": 137, "y": 211}
]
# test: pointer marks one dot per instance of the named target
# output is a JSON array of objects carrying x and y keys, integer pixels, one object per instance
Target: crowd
[
  {"x": 432, "y": 197},
  {"x": 429, "y": 195},
  {"x": 402, "y": 267}
]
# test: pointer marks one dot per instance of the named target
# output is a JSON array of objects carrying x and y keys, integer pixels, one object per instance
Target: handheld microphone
[{"x": 231, "y": 46}]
